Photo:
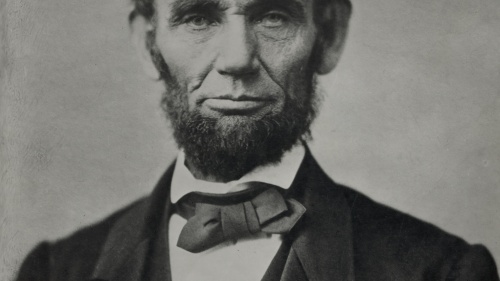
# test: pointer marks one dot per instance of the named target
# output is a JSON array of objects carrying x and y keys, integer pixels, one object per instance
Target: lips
[{"x": 241, "y": 104}]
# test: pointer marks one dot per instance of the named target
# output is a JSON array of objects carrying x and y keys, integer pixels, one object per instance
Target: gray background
[{"x": 410, "y": 117}]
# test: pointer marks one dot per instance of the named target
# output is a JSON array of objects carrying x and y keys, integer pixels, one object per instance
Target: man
[{"x": 245, "y": 199}]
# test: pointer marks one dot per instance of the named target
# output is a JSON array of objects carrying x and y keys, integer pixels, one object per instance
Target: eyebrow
[
  {"x": 294, "y": 6},
  {"x": 179, "y": 8}
]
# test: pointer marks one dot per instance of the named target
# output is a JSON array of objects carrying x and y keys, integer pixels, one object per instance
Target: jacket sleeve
[
  {"x": 36, "y": 266},
  {"x": 476, "y": 264}
]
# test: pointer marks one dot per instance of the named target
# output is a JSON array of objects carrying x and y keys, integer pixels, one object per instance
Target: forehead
[{"x": 240, "y": 5}]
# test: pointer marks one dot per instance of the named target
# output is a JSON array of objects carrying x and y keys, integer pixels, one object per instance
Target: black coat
[{"x": 343, "y": 236}]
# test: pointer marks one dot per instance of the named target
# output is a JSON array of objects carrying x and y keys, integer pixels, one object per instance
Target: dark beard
[{"x": 228, "y": 150}]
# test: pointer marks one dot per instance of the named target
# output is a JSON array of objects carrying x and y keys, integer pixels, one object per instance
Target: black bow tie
[{"x": 216, "y": 218}]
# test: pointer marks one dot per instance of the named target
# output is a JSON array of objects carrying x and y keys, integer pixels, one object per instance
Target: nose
[{"x": 237, "y": 54}]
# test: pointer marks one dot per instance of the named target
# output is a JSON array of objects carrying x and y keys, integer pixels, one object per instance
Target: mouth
[{"x": 235, "y": 105}]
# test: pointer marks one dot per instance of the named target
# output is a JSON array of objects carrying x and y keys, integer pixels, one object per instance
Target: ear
[
  {"x": 335, "y": 21},
  {"x": 140, "y": 28}
]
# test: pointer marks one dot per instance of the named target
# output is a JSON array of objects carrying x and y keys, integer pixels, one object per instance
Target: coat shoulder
[
  {"x": 76, "y": 253},
  {"x": 388, "y": 244},
  {"x": 387, "y": 240}
]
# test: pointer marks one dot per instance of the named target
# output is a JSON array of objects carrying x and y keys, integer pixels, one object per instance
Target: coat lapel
[
  {"x": 136, "y": 247},
  {"x": 321, "y": 247}
]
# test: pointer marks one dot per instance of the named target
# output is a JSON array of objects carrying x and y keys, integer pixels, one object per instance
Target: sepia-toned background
[{"x": 411, "y": 116}]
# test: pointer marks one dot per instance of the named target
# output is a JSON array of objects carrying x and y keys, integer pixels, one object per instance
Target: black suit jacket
[{"x": 342, "y": 236}]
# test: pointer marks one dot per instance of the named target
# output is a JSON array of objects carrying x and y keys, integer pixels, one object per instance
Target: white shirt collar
[{"x": 280, "y": 174}]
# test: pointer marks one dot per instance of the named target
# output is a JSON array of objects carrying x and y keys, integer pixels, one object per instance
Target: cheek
[
  {"x": 187, "y": 62},
  {"x": 288, "y": 61}
]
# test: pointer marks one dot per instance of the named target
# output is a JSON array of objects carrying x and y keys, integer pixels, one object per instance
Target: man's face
[
  {"x": 241, "y": 66},
  {"x": 237, "y": 59}
]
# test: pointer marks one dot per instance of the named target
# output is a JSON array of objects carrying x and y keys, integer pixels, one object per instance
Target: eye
[
  {"x": 273, "y": 19},
  {"x": 198, "y": 22}
]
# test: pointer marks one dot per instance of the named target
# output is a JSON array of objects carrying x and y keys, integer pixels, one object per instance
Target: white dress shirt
[{"x": 244, "y": 260}]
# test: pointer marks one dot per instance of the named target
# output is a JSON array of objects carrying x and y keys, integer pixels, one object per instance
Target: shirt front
[{"x": 247, "y": 259}]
